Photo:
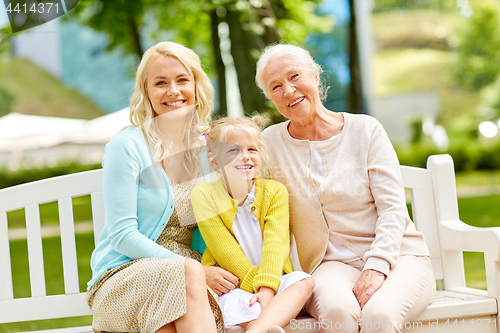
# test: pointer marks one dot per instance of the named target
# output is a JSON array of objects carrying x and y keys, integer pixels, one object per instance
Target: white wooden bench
[{"x": 456, "y": 308}]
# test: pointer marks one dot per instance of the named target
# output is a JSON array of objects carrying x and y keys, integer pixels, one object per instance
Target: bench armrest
[{"x": 456, "y": 237}]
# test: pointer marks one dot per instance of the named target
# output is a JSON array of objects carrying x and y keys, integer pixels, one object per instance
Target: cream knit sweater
[{"x": 361, "y": 201}]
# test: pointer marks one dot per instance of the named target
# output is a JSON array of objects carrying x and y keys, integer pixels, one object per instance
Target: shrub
[
  {"x": 466, "y": 156},
  {"x": 11, "y": 178}
]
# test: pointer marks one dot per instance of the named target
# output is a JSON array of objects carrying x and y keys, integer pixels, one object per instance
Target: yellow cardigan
[{"x": 215, "y": 212}]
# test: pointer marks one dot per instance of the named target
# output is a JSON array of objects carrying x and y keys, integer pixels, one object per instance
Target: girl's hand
[
  {"x": 220, "y": 280},
  {"x": 264, "y": 296}
]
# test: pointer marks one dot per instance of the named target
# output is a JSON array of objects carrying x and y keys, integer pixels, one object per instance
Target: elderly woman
[{"x": 347, "y": 203}]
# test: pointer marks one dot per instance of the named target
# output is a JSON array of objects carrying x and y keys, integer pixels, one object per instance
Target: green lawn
[{"x": 480, "y": 211}]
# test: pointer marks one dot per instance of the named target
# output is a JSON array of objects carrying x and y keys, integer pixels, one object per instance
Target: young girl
[{"x": 244, "y": 222}]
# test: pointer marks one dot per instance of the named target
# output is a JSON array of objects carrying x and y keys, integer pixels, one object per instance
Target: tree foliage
[
  {"x": 6, "y": 97},
  {"x": 6, "y": 101},
  {"x": 478, "y": 53},
  {"x": 388, "y": 5},
  {"x": 253, "y": 24}
]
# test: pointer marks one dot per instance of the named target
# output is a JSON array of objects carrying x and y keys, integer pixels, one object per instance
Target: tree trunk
[
  {"x": 354, "y": 104},
  {"x": 219, "y": 65},
  {"x": 136, "y": 37},
  {"x": 242, "y": 44}
]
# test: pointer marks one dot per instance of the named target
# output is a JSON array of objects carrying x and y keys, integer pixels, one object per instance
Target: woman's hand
[
  {"x": 220, "y": 280},
  {"x": 264, "y": 296},
  {"x": 368, "y": 283}
]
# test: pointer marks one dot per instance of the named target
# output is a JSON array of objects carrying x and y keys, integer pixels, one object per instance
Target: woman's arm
[
  {"x": 387, "y": 189},
  {"x": 219, "y": 240},
  {"x": 122, "y": 165},
  {"x": 388, "y": 192}
]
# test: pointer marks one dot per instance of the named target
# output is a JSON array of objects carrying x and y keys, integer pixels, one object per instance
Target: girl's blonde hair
[
  {"x": 143, "y": 116},
  {"x": 222, "y": 129}
]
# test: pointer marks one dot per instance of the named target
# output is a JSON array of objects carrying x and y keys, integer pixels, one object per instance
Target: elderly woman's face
[{"x": 292, "y": 88}]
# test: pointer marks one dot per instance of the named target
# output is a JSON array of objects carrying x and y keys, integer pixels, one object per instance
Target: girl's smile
[{"x": 240, "y": 160}]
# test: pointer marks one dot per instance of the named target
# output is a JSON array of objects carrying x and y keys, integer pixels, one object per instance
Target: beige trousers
[{"x": 406, "y": 292}]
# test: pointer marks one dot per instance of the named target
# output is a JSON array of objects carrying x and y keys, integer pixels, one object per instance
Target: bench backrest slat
[
  {"x": 35, "y": 251},
  {"x": 419, "y": 182},
  {"x": 97, "y": 213},
  {"x": 68, "y": 246},
  {"x": 6, "y": 291}
]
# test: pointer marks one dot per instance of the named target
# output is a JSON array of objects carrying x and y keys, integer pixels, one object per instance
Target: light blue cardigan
[{"x": 134, "y": 190}]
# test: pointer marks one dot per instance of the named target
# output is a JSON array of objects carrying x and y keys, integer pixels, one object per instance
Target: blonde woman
[{"x": 146, "y": 277}]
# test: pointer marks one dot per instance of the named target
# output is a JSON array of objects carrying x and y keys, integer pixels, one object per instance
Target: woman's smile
[
  {"x": 176, "y": 103},
  {"x": 296, "y": 101}
]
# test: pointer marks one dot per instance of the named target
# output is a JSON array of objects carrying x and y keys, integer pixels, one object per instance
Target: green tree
[
  {"x": 253, "y": 24},
  {"x": 388, "y": 5},
  {"x": 6, "y": 97},
  {"x": 6, "y": 101},
  {"x": 479, "y": 48}
]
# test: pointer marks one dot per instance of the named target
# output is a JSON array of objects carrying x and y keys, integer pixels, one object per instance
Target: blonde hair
[
  {"x": 294, "y": 52},
  {"x": 222, "y": 129},
  {"x": 142, "y": 114}
]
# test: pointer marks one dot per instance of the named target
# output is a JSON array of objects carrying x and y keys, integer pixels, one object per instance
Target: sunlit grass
[
  {"x": 478, "y": 178},
  {"x": 49, "y": 214}
]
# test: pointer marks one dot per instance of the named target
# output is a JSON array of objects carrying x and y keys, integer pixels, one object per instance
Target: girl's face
[
  {"x": 240, "y": 158},
  {"x": 170, "y": 87}
]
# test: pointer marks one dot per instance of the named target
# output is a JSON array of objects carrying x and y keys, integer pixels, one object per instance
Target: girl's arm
[
  {"x": 276, "y": 246},
  {"x": 220, "y": 241}
]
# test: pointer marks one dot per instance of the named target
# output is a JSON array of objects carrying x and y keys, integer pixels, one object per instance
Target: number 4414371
[{"x": 40, "y": 8}]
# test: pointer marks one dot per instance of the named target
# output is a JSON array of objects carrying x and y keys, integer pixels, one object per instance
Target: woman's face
[
  {"x": 292, "y": 88},
  {"x": 170, "y": 87}
]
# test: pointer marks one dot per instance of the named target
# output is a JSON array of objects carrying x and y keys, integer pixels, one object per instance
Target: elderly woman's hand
[{"x": 368, "y": 283}]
